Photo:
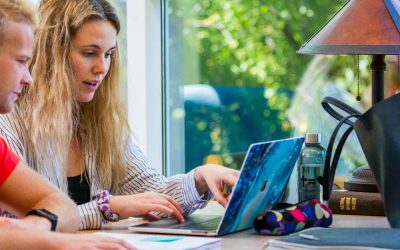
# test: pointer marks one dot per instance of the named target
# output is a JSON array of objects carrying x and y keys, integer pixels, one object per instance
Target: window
[{"x": 233, "y": 77}]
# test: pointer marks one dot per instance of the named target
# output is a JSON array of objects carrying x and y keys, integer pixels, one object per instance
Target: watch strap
[{"x": 46, "y": 214}]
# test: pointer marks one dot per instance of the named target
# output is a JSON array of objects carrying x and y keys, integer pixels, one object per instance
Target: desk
[{"x": 249, "y": 239}]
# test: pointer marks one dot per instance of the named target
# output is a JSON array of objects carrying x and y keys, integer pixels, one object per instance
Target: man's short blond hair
[{"x": 17, "y": 11}]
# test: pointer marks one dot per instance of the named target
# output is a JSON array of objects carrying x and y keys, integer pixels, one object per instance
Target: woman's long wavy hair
[{"x": 52, "y": 116}]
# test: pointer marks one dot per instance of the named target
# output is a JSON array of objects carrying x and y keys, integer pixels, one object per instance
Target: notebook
[
  {"x": 264, "y": 174},
  {"x": 338, "y": 238}
]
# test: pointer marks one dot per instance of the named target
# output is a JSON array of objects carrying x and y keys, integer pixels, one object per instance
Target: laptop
[{"x": 264, "y": 174}]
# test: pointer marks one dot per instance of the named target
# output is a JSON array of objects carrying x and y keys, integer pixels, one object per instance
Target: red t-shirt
[{"x": 8, "y": 161}]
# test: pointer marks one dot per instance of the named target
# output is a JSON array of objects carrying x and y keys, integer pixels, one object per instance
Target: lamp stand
[
  {"x": 378, "y": 67},
  {"x": 362, "y": 179}
]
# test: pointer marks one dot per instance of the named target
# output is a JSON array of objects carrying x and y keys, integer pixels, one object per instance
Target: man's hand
[
  {"x": 28, "y": 223},
  {"x": 88, "y": 241}
]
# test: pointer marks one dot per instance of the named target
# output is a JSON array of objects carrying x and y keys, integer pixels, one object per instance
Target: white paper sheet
[{"x": 166, "y": 242}]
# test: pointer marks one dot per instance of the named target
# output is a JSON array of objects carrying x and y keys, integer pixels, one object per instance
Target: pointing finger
[
  {"x": 218, "y": 195},
  {"x": 230, "y": 180}
]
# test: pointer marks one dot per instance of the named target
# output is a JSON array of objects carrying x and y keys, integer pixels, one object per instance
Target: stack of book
[
  {"x": 356, "y": 203},
  {"x": 338, "y": 238}
]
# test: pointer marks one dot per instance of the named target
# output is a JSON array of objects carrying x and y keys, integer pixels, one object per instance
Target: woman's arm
[
  {"x": 141, "y": 177},
  {"x": 144, "y": 190}
]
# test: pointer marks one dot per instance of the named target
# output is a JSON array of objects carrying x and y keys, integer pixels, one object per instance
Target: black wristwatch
[{"x": 46, "y": 214}]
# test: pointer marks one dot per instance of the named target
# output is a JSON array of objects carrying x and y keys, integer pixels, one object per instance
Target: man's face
[{"x": 15, "y": 56}]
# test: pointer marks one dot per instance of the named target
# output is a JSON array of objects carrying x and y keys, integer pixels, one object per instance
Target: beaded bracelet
[{"x": 103, "y": 203}]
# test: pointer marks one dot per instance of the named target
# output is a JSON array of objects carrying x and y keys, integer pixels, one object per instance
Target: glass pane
[
  {"x": 120, "y": 6},
  {"x": 233, "y": 78}
]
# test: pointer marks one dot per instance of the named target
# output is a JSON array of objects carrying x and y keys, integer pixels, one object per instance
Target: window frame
[{"x": 144, "y": 87}]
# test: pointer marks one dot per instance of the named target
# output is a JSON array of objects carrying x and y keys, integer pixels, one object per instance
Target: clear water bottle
[{"x": 310, "y": 166}]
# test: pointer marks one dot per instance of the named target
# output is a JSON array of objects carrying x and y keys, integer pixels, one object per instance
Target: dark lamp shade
[{"x": 360, "y": 27}]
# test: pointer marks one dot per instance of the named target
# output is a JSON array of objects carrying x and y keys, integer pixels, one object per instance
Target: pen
[{"x": 308, "y": 237}]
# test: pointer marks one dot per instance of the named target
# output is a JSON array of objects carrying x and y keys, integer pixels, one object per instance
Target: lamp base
[{"x": 362, "y": 180}]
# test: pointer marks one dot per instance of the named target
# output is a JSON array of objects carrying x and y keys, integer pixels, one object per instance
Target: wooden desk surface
[{"x": 249, "y": 239}]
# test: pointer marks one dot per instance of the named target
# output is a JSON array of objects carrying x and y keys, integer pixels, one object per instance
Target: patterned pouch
[{"x": 309, "y": 213}]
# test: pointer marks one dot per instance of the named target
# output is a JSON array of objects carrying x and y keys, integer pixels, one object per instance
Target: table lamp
[{"x": 361, "y": 27}]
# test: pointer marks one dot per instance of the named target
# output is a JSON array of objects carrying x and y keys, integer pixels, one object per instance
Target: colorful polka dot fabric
[{"x": 309, "y": 213}]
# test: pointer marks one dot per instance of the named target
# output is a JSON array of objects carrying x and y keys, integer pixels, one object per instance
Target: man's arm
[
  {"x": 25, "y": 190},
  {"x": 16, "y": 239}
]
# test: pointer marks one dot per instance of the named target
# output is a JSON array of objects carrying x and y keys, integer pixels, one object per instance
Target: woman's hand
[
  {"x": 214, "y": 177},
  {"x": 141, "y": 205}
]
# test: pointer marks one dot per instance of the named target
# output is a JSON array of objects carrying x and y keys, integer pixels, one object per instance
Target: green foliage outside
[{"x": 251, "y": 43}]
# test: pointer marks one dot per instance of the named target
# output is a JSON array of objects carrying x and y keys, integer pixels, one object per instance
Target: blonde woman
[{"x": 71, "y": 125}]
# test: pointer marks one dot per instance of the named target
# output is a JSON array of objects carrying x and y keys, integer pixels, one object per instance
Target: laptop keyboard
[{"x": 209, "y": 225}]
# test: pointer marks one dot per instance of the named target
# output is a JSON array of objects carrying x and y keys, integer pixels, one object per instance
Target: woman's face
[{"x": 90, "y": 57}]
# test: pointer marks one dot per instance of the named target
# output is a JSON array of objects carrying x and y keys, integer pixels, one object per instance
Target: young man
[
  {"x": 22, "y": 191},
  {"x": 39, "y": 204}
]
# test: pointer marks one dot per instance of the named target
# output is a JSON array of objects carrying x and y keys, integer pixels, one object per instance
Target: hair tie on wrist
[{"x": 103, "y": 203}]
